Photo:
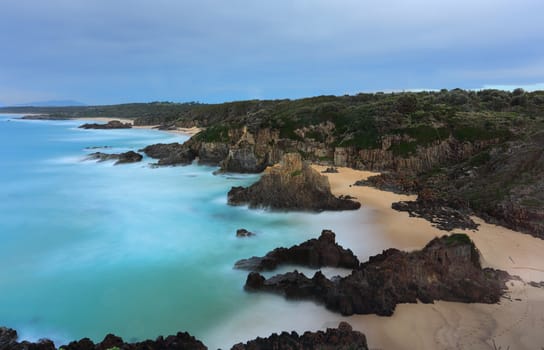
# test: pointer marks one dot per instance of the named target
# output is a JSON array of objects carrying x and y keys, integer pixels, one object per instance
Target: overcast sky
[{"x": 114, "y": 51}]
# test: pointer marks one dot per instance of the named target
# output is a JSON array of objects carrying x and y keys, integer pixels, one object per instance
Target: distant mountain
[{"x": 51, "y": 103}]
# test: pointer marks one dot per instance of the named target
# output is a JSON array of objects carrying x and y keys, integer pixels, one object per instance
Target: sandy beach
[
  {"x": 184, "y": 131},
  {"x": 516, "y": 322}
]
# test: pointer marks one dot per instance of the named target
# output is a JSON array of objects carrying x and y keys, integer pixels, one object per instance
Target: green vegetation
[{"x": 296, "y": 173}]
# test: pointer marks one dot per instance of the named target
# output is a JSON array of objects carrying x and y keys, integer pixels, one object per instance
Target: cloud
[{"x": 117, "y": 49}]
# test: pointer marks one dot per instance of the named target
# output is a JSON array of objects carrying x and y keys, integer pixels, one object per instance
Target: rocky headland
[
  {"x": 291, "y": 185},
  {"x": 112, "y": 124},
  {"x": 315, "y": 253},
  {"x": 121, "y": 158},
  {"x": 447, "y": 268}
]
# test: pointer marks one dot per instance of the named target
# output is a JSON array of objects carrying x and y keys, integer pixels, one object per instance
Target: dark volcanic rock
[
  {"x": 114, "y": 124},
  {"x": 170, "y": 154},
  {"x": 438, "y": 212},
  {"x": 180, "y": 341},
  {"x": 291, "y": 185},
  {"x": 122, "y": 158},
  {"x": 8, "y": 341},
  {"x": 448, "y": 268},
  {"x": 315, "y": 253},
  {"x": 341, "y": 338},
  {"x": 392, "y": 182},
  {"x": 242, "y": 232}
]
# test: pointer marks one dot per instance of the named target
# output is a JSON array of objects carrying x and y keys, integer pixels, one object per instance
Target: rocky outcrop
[
  {"x": 444, "y": 214},
  {"x": 399, "y": 183},
  {"x": 314, "y": 253},
  {"x": 242, "y": 232},
  {"x": 290, "y": 185},
  {"x": 113, "y": 124},
  {"x": 341, "y": 338},
  {"x": 448, "y": 268},
  {"x": 180, "y": 341},
  {"x": 122, "y": 158},
  {"x": 170, "y": 154}
]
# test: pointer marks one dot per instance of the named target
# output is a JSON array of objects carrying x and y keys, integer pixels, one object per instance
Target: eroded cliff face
[{"x": 290, "y": 185}]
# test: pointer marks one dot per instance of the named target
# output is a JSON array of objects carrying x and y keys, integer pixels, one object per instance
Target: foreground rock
[
  {"x": 341, "y": 338},
  {"x": 448, "y": 268},
  {"x": 113, "y": 124},
  {"x": 170, "y": 153},
  {"x": 180, "y": 341},
  {"x": 122, "y": 158},
  {"x": 293, "y": 185},
  {"x": 314, "y": 253}
]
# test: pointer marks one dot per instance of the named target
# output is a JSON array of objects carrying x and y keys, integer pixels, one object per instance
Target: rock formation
[
  {"x": 341, "y": 338},
  {"x": 170, "y": 154},
  {"x": 290, "y": 185},
  {"x": 314, "y": 253},
  {"x": 113, "y": 124},
  {"x": 242, "y": 232},
  {"x": 122, "y": 158},
  {"x": 448, "y": 268}
]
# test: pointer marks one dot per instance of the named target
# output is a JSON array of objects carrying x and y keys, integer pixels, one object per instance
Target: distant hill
[{"x": 51, "y": 103}]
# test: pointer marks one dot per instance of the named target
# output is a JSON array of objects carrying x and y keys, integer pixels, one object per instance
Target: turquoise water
[{"x": 91, "y": 248}]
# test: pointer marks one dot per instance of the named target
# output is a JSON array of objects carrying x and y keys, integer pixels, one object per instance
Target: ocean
[{"x": 89, "y": 248}]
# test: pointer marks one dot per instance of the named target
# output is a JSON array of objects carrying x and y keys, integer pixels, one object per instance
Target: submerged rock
[
  {"x": 122, "y": 158},
  {"x": 113, "y": 124},
  {"x": 448, "y": 268},
  {"x": 292, "y": 184},
  {"x": 242, "y": 232},
  {"x": 315, "y": 253},
  {"x": 341, "y": 338}
]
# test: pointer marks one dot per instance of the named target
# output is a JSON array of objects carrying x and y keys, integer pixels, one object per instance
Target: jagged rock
[
  {"x": 448, "y": 268},
  {"x": 314, "y": 253},
  {"x": 399, "y": 183},
  {"x": 242, "y": 232},
  {"x": 443, "y": 214},
  {"x": 122, "y": 158},
  {"x": 291, "y": 184},
  {"x": 341, "y": 338},
  {"x": 180, "y": 341},
  {"x": 113, "y": 124},
  {"x": 170, "y": 154},
  {"x": 8, "y": 341}
]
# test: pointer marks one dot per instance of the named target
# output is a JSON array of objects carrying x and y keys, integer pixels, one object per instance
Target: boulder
[
  {"x": 242, "y": 232},
  {"x": 314, "y": 253}
]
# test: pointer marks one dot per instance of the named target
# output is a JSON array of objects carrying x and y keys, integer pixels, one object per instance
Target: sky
[{"x": 117, "y": 51}]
